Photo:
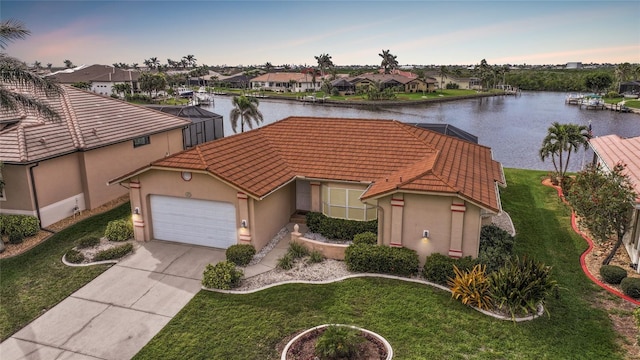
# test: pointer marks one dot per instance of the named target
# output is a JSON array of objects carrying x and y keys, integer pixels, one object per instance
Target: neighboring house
[
  {"x": 608, "y": 151},
  {"x": 384, "y": 81},
  {"x": 574, "y": 65},
  {"x": 470, "y": 83},
  {"x": 237, "y": 81},
  {"x": 630, "y": 88},
  {"x": 54, "y": 169},
  {"x": 287, "y": 82},
  {"x": 205, "y": 125},
  {"x": 100, "y": 77},
  {"x": 429, "y": 192}
]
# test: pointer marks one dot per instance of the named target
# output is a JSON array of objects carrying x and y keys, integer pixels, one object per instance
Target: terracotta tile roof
[
  {"x": 613, "y": 149},
  {"x": 388, "y": 155},
  {"x": 87, "y": 121}
]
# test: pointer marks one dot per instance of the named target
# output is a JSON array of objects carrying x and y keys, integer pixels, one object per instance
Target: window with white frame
[{"x": 345, "y": 204}]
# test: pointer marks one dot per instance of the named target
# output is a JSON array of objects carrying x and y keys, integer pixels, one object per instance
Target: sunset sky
[{"x": 352, "y": 32}]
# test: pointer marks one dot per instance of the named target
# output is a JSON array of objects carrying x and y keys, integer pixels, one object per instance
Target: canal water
[{"x": 512, "y": 126}]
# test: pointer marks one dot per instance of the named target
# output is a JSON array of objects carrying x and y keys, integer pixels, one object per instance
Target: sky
[{"x": 351, "y": 32}]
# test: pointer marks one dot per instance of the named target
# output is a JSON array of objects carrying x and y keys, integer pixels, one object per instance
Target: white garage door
[{"x": 191, "y": 221}]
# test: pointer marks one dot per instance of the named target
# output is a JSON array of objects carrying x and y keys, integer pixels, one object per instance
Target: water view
[{"x": 512, "y": 126}]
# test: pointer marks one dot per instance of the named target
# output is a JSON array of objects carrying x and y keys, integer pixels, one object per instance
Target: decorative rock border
[
  {"x": 380, "y": 338},
  {"x": 64, "y": 261},
  {"x": 424, "y": 282}
]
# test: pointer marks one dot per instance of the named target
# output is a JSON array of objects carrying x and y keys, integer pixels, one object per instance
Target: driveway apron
[{"x": 117, "y": 313}]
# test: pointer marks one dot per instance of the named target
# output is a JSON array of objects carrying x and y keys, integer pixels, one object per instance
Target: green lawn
[
  {"x": 420, "y": 322},
  {"x": 37, "y": 280}
]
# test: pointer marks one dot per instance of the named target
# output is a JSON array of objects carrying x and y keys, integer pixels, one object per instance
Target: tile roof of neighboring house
[
  {"x": 284, "y": 77},
  {"x": 613, "y": 149},
  {"x": 97, "y": 73},
  {"x": 87, "y": 121},
  {"x": 388, "y": 155}
]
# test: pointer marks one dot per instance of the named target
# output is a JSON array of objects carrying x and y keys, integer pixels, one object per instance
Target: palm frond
[
  {"x": 11, "y": 30},
  {"x": 14, "y": 101}
]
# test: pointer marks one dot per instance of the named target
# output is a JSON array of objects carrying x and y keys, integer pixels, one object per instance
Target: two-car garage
[{"x": 193, "y": 221}]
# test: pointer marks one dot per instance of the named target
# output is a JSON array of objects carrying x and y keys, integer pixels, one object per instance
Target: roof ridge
[
  {"x": 72, "y": 121},
  {"x": 204, "y": 163},
  {"x": 22, "y": 150}
]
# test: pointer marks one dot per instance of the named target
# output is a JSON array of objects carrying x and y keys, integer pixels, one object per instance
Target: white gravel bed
[{"x": 326, "y": 270}]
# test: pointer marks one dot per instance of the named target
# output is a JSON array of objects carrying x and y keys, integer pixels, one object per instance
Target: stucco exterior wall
[
  {"x": 170, "y": 183},
  {"x": 57, "y": 179},
  {"x": 433, "y": 213},
  {"x": 17, "y": 190},
  {"x": 104, "y": 164},
  {"x": 271, "y": 215}
]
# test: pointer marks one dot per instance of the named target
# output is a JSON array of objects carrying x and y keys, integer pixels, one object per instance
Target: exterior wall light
[
  {"x": 425, "y": 235},
  {"x": 136, "y": 211},
  {"x": 243, "y": 224}
]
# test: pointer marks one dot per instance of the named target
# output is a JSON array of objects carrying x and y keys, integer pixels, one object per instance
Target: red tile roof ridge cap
[
  {"x": 203, "y": 162},
  {"x": 72, "y": 120}
]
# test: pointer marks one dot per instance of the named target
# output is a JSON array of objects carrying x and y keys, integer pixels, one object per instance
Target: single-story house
[
  {"x": 205, "y": 125},
  {"x": 608, "y": 151},
  {"x": 429, "y": 192},
  {"x": 384, "y": 81},
  {"x": 287, "y": 82},
  {"x": 54, "y": 169},
  {"x": 470, "y": 83},
  {"x": 101, "y": 78}
]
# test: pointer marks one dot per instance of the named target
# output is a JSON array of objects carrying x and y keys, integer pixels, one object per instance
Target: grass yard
[
  {"x": 420, "y": 322},
  {"x": 35, "y": 281}
]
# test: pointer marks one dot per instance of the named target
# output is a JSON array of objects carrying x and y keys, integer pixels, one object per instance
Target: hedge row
[
  {"x": 338, "y": 229},
  {"x": 381, "y": 259}
]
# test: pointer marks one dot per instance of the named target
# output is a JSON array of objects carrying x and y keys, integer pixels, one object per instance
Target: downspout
[{"x": 35, "y": 193}]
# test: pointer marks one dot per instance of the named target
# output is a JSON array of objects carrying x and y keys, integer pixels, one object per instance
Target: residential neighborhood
[{"x": 303, "y": 180}]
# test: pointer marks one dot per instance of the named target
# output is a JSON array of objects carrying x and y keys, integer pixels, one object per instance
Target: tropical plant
[
  {"x": 389, "y": 61},
  {"x": 338, "y": 342},
  {"x": 604, "y": 200},
  {"x": 189, "y": 60},
  {"x": 472, "y": 287},
  {"x": 121, "y": 89},
  {"x": 496, "y": 247},
  {"x": 444, "y": 73},
  {"x": 68, "y": 64},
  {"x": 240, "y": 254},
  {"x": 268, "y": 67},
  {"x": 324, "y": 62},
  {"x": 484, "y": 72},
  {"x": 150, "y": 82},
  {"x": 561, "y": 141},
  {"x": 37, "y": 65},
  {"x": 222, "y": 275},
  {"x": 521, "y": 286},
  {"x": 623, "y": 72},
  {"x": 119, "y": 230},
  {"x": 13, "y": 72},
  {"x": 598, "y": 82},
  {"x": 246, "y": 110}
]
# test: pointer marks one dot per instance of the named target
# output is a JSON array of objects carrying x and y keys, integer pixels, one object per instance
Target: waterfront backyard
[{"x": 419, "y": 321}]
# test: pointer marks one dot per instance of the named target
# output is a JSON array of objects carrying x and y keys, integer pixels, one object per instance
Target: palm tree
[
  {"x": 68, "y": 64},
  {"x": 444, "y": 73},
  {"x": 324, "y": 62},
  {"x": 13, "y": 71},
  {"x": 37, "y": 65},
  {"x": 268, "y": 66},
  {"x": 245, "y": 109},
  {"x": 49, "y": 66},
  {"x": 623, "y": 72},
  {"x": 190, "y": 60},
  {"x": 563, "y": 139},
  {"x": 389, "y": 61}
]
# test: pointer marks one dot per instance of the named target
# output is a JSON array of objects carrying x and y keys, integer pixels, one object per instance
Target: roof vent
[
  {"x": 94, "y": 131},
  {"x": 43, "y": 140}
]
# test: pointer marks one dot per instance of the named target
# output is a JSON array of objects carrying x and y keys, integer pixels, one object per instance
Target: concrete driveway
[{"x": 117, "y": 313}]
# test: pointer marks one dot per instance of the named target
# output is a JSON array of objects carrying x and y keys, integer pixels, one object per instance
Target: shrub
[
  {"x": 496, "y": 247},
  {"x": 520, "y": 286},
  {"x": 240, "y": 254},
  {"x": 115, "y": 252},
  {"x": 16, "y": 237},
  {"x": 87, "y": 242},
  {"x": 285, "y": 262},
  {"x": 74, "y": 256},
  {"x": 316, "y": 257},
  {"x": 612, "y": 95},
  {"x": 472, "y": 287},
  {"x": 338, "y": 342},
  {"x": 367, "y": 238},
  {"x": 438, "y": 268},
  {"x": 297, "y": 250},
  {"x": 612, "y": 274},
  {"x": 631, "y": 287},
  {"x": 119, "y": 230},
  {"x": 222, "y": 275},
  {"x": 338, "y": 229},
  {"x": 381, "y": 259},
  {"x": 25, "y": 225}
]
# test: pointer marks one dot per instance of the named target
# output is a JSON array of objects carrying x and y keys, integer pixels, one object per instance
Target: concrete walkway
[{"x": 117, "y": 314}]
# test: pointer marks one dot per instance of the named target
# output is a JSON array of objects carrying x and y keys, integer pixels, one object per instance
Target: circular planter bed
[{"x": 302, "y": 346}]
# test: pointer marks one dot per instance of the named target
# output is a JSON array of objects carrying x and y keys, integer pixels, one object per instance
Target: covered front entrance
[{"x": 193, "y": 221}]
